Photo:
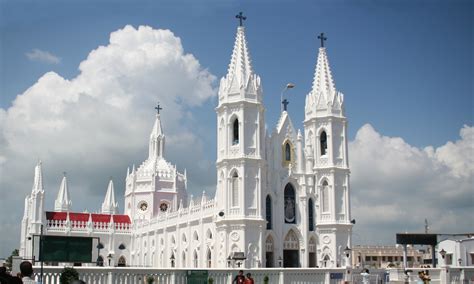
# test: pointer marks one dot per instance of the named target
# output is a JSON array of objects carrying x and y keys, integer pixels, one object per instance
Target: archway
[
  {"x": 122, "y": 262},
  {"x": 269, "y": 256},
  {"x": 291, "y": 247},
  {"x": 312, "y": 252}
]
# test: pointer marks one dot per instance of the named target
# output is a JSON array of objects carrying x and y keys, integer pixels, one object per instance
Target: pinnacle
[
  {"x": 240, "y": 67},
  {"x": 323, "y": 81}
]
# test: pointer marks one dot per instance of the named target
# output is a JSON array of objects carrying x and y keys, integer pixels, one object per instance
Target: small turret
[
  {"x": 63, "y": 203},
  {"x": 109, "y": 206}
]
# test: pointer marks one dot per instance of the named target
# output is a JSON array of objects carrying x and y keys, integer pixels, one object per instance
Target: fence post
[
  {"x": 281, "y": 279},
  {"x": 110, "y": 276}
]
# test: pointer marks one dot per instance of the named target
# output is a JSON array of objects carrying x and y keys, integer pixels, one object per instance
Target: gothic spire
[
  {"x": 109, "y": 206},
  {"x": 38, "y": 181},
  {"x": 240, "y": 67},
  {"x": 323, "y": 82},
  {"x": 63, "y": 203},
  {"x": 157, "y": 138}
]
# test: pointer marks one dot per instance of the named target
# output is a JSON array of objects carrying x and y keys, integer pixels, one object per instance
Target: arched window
[
  {"x": 235, "y": 132},
  {"x": 195, "y": 259},
  {"x": 310, "y": 215},
  {"x": 209, "y": 234},
  {"x": 268, "y": 211},
  {"x": 235, "y": 190},
  {"x": 324, "y": 143},
  {"x": 290, "y": 204},
  {"x": 209, "y": 258},
  {"x": 122, "y": 262},
  {"x": 287, "y": 152},
  {"x": 325, "y": 196},
  {"x": 196, "y": 236}
]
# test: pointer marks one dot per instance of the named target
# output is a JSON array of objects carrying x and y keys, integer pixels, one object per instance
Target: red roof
[{"x": 101, "y": 218}]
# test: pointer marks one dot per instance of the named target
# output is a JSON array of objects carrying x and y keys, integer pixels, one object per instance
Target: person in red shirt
[
  {"x": 249, "y": 279},
  {"x": 240, "y": 278}
]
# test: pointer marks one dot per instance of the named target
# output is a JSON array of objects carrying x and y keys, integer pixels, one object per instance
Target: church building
[{"x": 282, "y": 197}]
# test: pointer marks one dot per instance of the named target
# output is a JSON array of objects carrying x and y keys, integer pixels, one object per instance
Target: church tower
[
  {"x": 33, "y": 214},
  {"x": 327, "y": 159},
  {"x": 240, "y": 162}
]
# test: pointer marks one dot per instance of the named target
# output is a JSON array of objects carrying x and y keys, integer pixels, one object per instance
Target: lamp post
[
  {"x": 280, "y": 261},
  {"x": 347, "y": 252},
  {"x": 442, "y": 252},
  {"x": 459, "y": 261},
  {"x": 109, "y": 257},
  {"x": 172, "y": 260},
  {"x": 288, "y": 86},
  {"x": 229, "y": 261}
]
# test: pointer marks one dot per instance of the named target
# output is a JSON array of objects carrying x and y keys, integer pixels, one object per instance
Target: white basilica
[{"x": 282, "y": 199}]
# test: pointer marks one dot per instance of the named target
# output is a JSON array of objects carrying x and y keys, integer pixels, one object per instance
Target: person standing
[
  {"x": 239, "y": 278},
  {"x": 365, "y": 276},
  {"x": 26, "y": 270},
  {"x": 249, "y": 279}
]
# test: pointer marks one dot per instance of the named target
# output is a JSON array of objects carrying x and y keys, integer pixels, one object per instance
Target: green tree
[{"x": 9, "y": 261}]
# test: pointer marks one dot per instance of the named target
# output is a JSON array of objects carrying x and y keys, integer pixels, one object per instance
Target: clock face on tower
[
  {"x": 143, "y": 206},
  {"x": 163, "y": 207}
]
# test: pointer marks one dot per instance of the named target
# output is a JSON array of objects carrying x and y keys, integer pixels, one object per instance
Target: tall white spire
[
  {"x": 157, "y": 139},
  {"x": 323, "y": 82},
  {"x": 109, "y": 206},
  {"x": 38, "y": 181},
  {"x": 63, "y": 203},
  {"x": 324, "y": 99},
  {"x": 240, "y": 78}
]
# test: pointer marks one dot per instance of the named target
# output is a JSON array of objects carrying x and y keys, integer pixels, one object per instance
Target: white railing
[
  {"x": 85, "y": 226},
  {"x": 138, "y": 275}
]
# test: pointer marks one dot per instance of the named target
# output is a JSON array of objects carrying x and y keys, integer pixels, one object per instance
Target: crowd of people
[{"x": 25, "y": 275}]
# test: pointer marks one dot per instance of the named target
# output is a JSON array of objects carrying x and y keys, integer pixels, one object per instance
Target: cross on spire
[
  {"x": 158, "y": 108},
  {"x": 322, "y": 38},
  {"x": 285, "y": 104},
  {"x": 241, "y": 18}
]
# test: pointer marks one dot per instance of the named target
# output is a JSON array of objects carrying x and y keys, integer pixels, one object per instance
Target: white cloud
[
  {"x": 93, "y": 125},
  {"x": 395, "y": 186},
  {"x": 43, "y": 56}
]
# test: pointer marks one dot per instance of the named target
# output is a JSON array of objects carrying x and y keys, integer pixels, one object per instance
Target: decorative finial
[
  {"x": 158, "y": 108},
  {"x": 241, "y": 18},
  {"x": 285, "y": 104},
  {"x": 322, "y": 38}
]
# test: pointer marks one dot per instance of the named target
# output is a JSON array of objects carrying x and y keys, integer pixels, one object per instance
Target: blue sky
[{"x": 405, "y": 67}]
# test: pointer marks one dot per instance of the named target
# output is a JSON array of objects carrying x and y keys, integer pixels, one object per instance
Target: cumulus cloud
[
  {"x": 43, "y": 56},
  {"x": 395, "y": 186},
  {"x": 98, "y": 123}
]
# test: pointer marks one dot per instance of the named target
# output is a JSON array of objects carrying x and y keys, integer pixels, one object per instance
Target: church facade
[{"x": 281, "y": 199}]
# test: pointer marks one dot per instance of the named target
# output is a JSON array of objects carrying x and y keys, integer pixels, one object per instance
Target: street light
[
  {"x": 109, "y": 257},
  {"x": 288, "y": 86},
  {"x": 172, "y": 260},
  {"x": 459, "y": 261},
  {"x": 228, "y": 261},
  {"x": 442, "y": 253},
  {"x": 347, "y": 252},
  {"x": 280, "y": 261}
]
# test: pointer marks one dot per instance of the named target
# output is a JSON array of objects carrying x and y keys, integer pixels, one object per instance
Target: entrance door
[
  {"x": 269, "y": 257},
  {"x": 291, "y": 258}
]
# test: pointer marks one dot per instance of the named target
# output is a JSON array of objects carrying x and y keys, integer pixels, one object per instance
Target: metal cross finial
[
  {"x": 322, "y": 38},
  {"x": 158, "y": 108},
  {"x": 241, "y": 18},
  {"x": 285, "y": 104}
]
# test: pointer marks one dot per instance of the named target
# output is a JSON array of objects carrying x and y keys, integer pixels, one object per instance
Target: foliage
[
  {"x": 210, "y": 280},
  {"x": 9, "y": 261},
  {"x": 150, "y": 280},
  {"x": 266, "y": 279},
  {"x": 68, "y": 275}
]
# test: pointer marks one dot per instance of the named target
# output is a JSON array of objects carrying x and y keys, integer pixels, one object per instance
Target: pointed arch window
[
  {"x": 310, "y": 215},
  {"x": 195, "y": 259},
  {"x": 287, "y": 152},
  {"x": 209, "y": 258},
  {"x": 122, "y": 262},
  {"x": 235, "y": 132},
  {"x": 235, "y": 190},
  {"x": 325, "y": 196},
  {"x": 268, "y": 211},
  {"x": 323, "y": 139},
  {"x": 290, "y": 204}
]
